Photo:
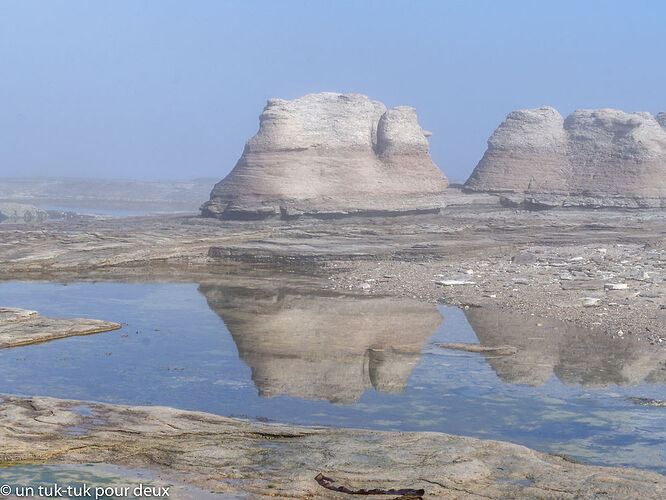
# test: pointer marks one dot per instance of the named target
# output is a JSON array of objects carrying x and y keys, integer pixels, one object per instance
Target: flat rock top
[
  {"x": 266, "y": 460},
  {"x": 23, "y": 327},
  {"x": 317, "y": 121}
]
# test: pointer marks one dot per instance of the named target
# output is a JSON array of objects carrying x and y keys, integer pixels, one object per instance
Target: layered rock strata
[
  {"x": 593, "y": 158},
  {"x": 330, "y": 155},
  {"x": 18, "y": 212}
]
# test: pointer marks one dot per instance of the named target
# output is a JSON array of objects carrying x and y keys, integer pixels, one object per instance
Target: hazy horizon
[{"x": 171, "y": 91}]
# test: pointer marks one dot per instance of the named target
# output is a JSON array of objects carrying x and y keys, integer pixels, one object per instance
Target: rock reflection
[
  {"x": 576, "y": 356},
  {"x": 314, "y": 345}
]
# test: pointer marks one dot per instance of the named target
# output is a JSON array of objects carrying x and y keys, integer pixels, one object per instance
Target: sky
[{"x": 172, "y": 89}]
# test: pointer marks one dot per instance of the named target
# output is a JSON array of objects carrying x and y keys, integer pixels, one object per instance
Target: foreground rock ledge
[
  {"x": 23, "y": 327},
  {"x": 267, "y": 460}
]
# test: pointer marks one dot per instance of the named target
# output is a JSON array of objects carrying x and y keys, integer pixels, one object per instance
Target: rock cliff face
[
  {"x": 595, "y": 158},
  {"x": 331, "y": 154}
]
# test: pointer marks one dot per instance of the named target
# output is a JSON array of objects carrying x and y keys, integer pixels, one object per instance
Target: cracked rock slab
[
  {"x": 23, "y": 327},
  {"x": 261, "y": 460}
]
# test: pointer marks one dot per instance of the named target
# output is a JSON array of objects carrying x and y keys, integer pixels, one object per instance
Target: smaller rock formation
[
  {"x": 18, "y": 212},
  {"x": 23, "y": 327},
  {"x": 593, "y": 158},
  {"x": 331, "y": 155}
]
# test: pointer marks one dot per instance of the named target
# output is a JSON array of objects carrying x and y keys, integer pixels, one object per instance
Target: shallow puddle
[{"x": 281, "y": 353}]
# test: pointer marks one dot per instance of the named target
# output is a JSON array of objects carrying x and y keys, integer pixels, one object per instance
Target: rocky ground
[
  {"x": 616, "y": 287},
  {"x": 24, "y": 327},
  {"x": 597, "y": 268},
  {"x": 243, "y": 459},
  {"x": 600, "y": 269}
]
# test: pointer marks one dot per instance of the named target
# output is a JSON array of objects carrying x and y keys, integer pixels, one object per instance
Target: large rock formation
[
  {"x": 331, "y": 154},
  {"x": 594, "y": 158}
]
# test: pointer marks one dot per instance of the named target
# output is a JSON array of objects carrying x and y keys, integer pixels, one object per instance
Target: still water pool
[{"x": 310, "y": 357}]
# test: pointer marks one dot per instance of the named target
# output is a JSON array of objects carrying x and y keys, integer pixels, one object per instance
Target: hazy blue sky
[{"x": 166, "y": 89}]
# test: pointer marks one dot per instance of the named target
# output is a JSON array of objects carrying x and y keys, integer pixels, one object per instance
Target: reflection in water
[
  {"x": 317, "y": 346},
  {"x": 173, "y": 350},
  {"x": 576, "y": 356}
]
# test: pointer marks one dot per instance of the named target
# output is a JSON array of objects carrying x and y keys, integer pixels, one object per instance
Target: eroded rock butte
[
  {"x": 331, "y": 155},
  {"x": 593, "y": 158}
]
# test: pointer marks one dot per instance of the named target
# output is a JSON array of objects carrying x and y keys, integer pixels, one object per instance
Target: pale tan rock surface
[
  {"x": 661, "y": 118},
  {"x": 593, "y": 158},
  {"x": 23, "y": 327},
  {"x": 258, "y": 460},
  {"x": 414, "y": 252},
  {"x": 331, "y": 154}
]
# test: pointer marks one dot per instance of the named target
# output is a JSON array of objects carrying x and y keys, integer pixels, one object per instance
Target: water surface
[{"x": 312, "y": 357}]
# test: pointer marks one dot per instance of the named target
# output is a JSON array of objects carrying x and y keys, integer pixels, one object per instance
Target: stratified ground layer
[
  {"x": 258, "y": 460},
  {"x": 560, "y": 264},
  {"x": 23, "y": 327}
]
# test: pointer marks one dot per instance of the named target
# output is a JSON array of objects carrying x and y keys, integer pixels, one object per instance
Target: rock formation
[
  {"x": 18, "y": 212},
  {"x": 594, "y": 158},
  {"x": 316, "y": 346},
  {"x": 331, "y": 154}
]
